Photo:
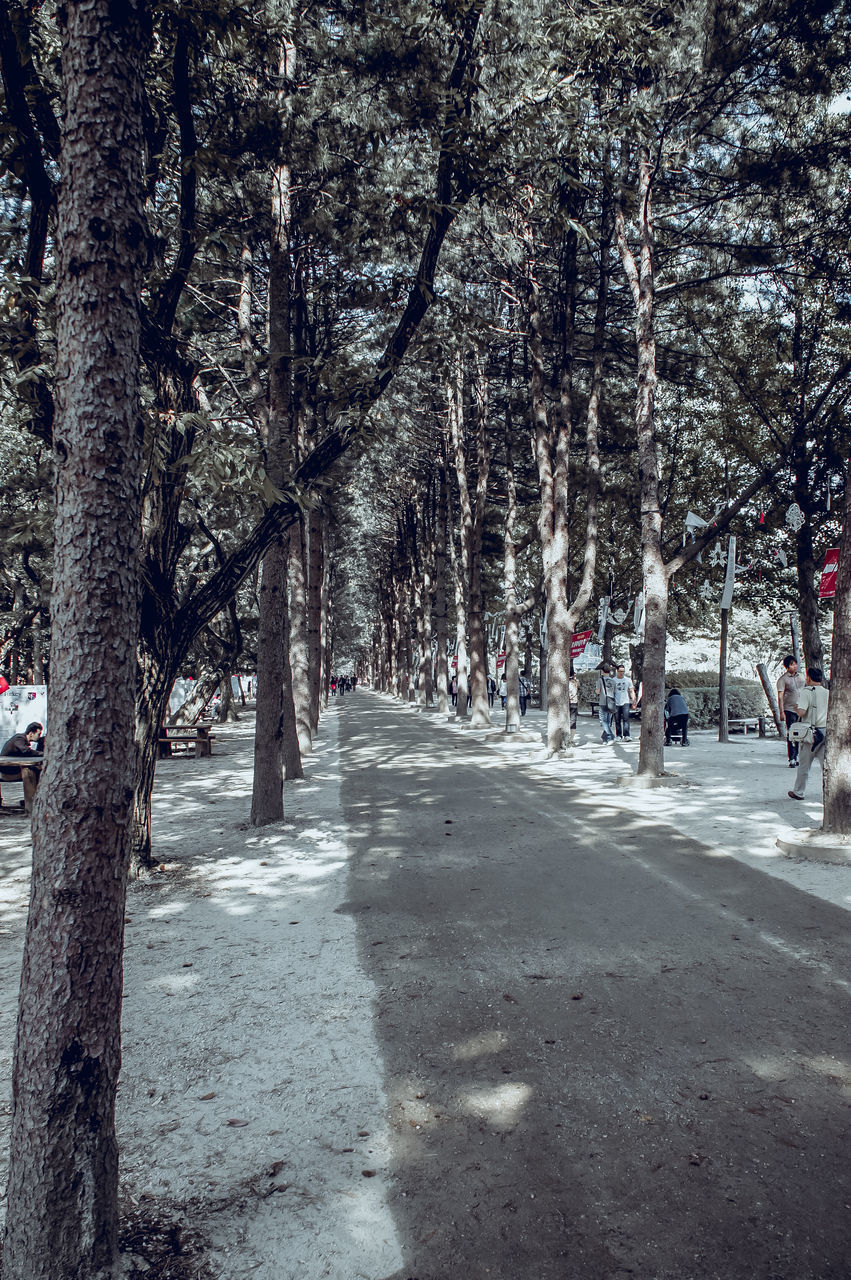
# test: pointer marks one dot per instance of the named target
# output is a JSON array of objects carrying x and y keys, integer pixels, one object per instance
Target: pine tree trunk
[
  {"x": 38, "y": 651},
  {"x": 324, "y": 622},
  {"x": 805, "y": 564},
  {"x": 267, "y": 797},
  {"x": 460, "y": 625},
  {"x": 440, "y": 614},
  {"x": 427, "y": 668},
  {"x": 478, "y": 633},
  {"x": 62, "y": 1195},
  {"x": 837, "y": 763},
  {"x": 227, "y": 706},
  {"x": 299, "y": 653},
  {"x": 314, "y": 613},
  {"x": 651, "y": 754},
  {"x": 511, "y": 669},
  {"x": 551, "y": 455}
]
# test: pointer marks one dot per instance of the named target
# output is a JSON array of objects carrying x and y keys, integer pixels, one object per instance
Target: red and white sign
[
  {"x": 500, "y": 660},
  {"x": 578, "y": 643},
  {"x": 827, "y": 586},
  {"x": 453, "y": 662}
]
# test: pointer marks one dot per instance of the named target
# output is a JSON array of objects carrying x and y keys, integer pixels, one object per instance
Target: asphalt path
[{"x": 607, "y": 1052}]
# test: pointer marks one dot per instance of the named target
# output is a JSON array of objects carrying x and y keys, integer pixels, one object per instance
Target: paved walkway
[{"x": 608, "y": 1050}]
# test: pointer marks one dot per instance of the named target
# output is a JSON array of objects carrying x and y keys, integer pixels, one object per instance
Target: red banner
[
  {"x": 827, "y": 585},
  {"x": 578, "y": 643},
  {"x": 500, "y": 660}
]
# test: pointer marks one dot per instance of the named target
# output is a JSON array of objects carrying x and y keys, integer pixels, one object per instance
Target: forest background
[{"x": 409, "y": 315}]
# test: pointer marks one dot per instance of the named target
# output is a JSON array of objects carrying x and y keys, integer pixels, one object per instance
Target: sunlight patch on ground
[
  {"x": 502, "y": 1105},
  {"x": 479, "y": 1046}
]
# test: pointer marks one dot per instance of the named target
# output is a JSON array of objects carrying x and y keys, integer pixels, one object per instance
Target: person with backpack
[
  {"x": 811, "y": 711},
  {"x": 524, "y": 692}
]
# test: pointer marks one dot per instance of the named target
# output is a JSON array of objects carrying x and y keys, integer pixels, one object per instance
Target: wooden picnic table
[
  {"x": 29, "y": 768},
  {"x": 185, "y": 736}
]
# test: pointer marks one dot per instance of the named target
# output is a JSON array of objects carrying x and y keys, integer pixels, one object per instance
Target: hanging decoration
[
  {"x": 730, "y": 576},
  {"x": 782, "y": 557},
  {"x": 706, "y": 591},
  {"x": 618, "y": 616},
  {"x": 603, "y": 610},
  {"x": 638, "y": 617},
  {"x": 717, "y": 556},
  {"x": 795, "y": 518}
]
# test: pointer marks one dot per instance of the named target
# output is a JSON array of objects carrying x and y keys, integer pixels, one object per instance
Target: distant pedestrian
[
  {"x": 503, "y": 692},
  {"x": 524, "y": 692},
  {"x": 789, "y": 686},
  {"x": 811, "y": 710},
  {"x": 491, "y": 690}
]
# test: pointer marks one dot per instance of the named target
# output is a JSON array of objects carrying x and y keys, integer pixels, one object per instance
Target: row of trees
[{"x": 225, "y": 230}]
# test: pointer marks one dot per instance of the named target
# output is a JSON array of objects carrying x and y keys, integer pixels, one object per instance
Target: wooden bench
[
  {"x": 183, "y": 737},
  {"x": 745, "y": 725}
]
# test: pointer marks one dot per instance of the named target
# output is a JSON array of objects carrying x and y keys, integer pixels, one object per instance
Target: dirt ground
[{"x": 458, "y": 1015}]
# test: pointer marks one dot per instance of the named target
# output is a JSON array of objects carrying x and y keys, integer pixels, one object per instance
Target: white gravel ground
[{"x": 251, "y": 1102}]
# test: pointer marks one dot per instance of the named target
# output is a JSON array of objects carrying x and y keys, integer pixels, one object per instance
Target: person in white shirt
[
  {"x": 624, "y": 699},
  {"x": 811, "y": 710}
]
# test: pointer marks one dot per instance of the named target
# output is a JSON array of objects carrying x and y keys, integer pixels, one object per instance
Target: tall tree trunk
[
  {"x": 837, "y": 763},
  {"x": 428, "y": 632},
  {"x": 592, "y": 427},
  {"x": 38, "y": 651},
  {"x": 511, "y": 669},
  {"x": 478, "y": 633},
  {"x": 651, "y": 754},
  {"x": 299, "y": 650},
  {"x": 62, "y": 1195},
  {"x": 552, "y": 445},
  {"x": 805, "y": 563},
  {"x": 267, "y": 797},
  {"x": 458, "y": 579},
  {"x": 325, "y": 620},
  {"x": 314, "y": 613},
  {"x": 440, "y": 614}
]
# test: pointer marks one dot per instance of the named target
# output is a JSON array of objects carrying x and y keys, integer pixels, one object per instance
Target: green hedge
[{"x": 745, "y": 701}]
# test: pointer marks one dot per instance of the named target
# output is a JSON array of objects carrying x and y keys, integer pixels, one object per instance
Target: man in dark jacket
[
  {"x": 23, "y": 745},
  {"x": 676, "y": 718}
]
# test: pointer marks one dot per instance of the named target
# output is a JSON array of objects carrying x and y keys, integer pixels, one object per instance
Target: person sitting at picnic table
[
  {"x": 676, "y": 718},
  {"x": 22, "y": 745}
]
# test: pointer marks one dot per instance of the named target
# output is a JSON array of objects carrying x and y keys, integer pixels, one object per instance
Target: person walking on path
[
  {"x": 624, "y": 699},
  {"x": 524, "y": 692},
  {"x": 789, "y": 686},
  {"x": 811, "y": 710},
  {"x": 605, "y": 693}
]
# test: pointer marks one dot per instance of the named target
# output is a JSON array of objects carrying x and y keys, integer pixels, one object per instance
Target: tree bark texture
[
  {"x": 426, "y": 543},
  {"x": 299, "y": 647},
  {"x": 315, "y": 571},
  {"x": 552, "y": 446},
  {"x": 651, "y": 752},
  {"x": 440, "y": 613},
  {"x": 62, "y": 1209},
  {"x": 460, "y": 620},
  {"x": 511, "y": 669},
  {"x": 837, "y": 763}
]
